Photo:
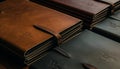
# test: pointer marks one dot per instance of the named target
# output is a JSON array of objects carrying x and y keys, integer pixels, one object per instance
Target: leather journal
[
  {"x": 29, "y": 29},
  {"x": 110, "y": 27},
  {"x": 90, "y": 11},
  {"x": 96, "y": 51},
  {"x": 115, "y": 4}
]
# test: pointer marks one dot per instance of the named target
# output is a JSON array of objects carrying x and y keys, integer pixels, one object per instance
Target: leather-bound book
[
  {"x": 29, "y": 29},
  {"x": 90, "y": 11},
  {"x": 110, "y": 27},
  {"x": 115, "y": 4},
  {"x": 87, "y": 51}
]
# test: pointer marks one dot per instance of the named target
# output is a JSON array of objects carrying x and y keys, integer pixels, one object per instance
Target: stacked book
[
  {"x": 29, "y": 30},
  {"x": 90, "y": 11}
]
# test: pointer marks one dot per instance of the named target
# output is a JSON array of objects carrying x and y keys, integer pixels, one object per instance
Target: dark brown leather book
[
  {"x": 110, "y": 27},
  {"x": 115, "y": 4},
  {"x": 28, "y": 29},
  {"x": 89, "y": 48},
  {"x": 90, "y": 11}
]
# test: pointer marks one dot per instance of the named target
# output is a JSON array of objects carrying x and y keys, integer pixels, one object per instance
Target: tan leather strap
[
  {"x": 107, "y": 2},
  {"x": 51, "y": 32}
]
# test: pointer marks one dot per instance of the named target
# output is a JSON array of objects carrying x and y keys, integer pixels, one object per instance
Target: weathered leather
[
  {"x": 89, "y": 48},
  {"x": 87, "y": 10},
  {"x": 115, "y": 4},
  {"x": 110, "y": 27},
  {"x": 17, "y": 20},
  {"x": 49, "y": 31}
]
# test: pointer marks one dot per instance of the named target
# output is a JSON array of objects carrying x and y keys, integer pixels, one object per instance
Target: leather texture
[
  {"x": 110, "y": 27},
  {"x": 17, "y": 20},
  {"x": 115, "y": 4},
  {"x": 88, "y": 47},
  {"x": 87, "y": 6},
  {"x": 90, "y": 11}
]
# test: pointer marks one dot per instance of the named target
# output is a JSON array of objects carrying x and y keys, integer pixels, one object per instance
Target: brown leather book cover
[
  {"x": 20, "y": 32},
  {"x": 90, "y": 11},
  {"x": 115, "y": 4}
]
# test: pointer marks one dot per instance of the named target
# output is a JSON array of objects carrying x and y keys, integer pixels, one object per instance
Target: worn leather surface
[
  {"x": 115, "y": 4},
  {"x": 88, "y": 47},
  {"x": 89, "y": 6},
  {"x": 110, "y": 27},
  {"x": 17, "y": 18},
  {"x": 90, "y": 11}
]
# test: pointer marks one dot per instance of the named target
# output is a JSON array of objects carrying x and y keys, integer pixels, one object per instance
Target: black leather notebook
[
  {"x": 110, "y": 27},
  {"x": 89, "y": 48}
]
